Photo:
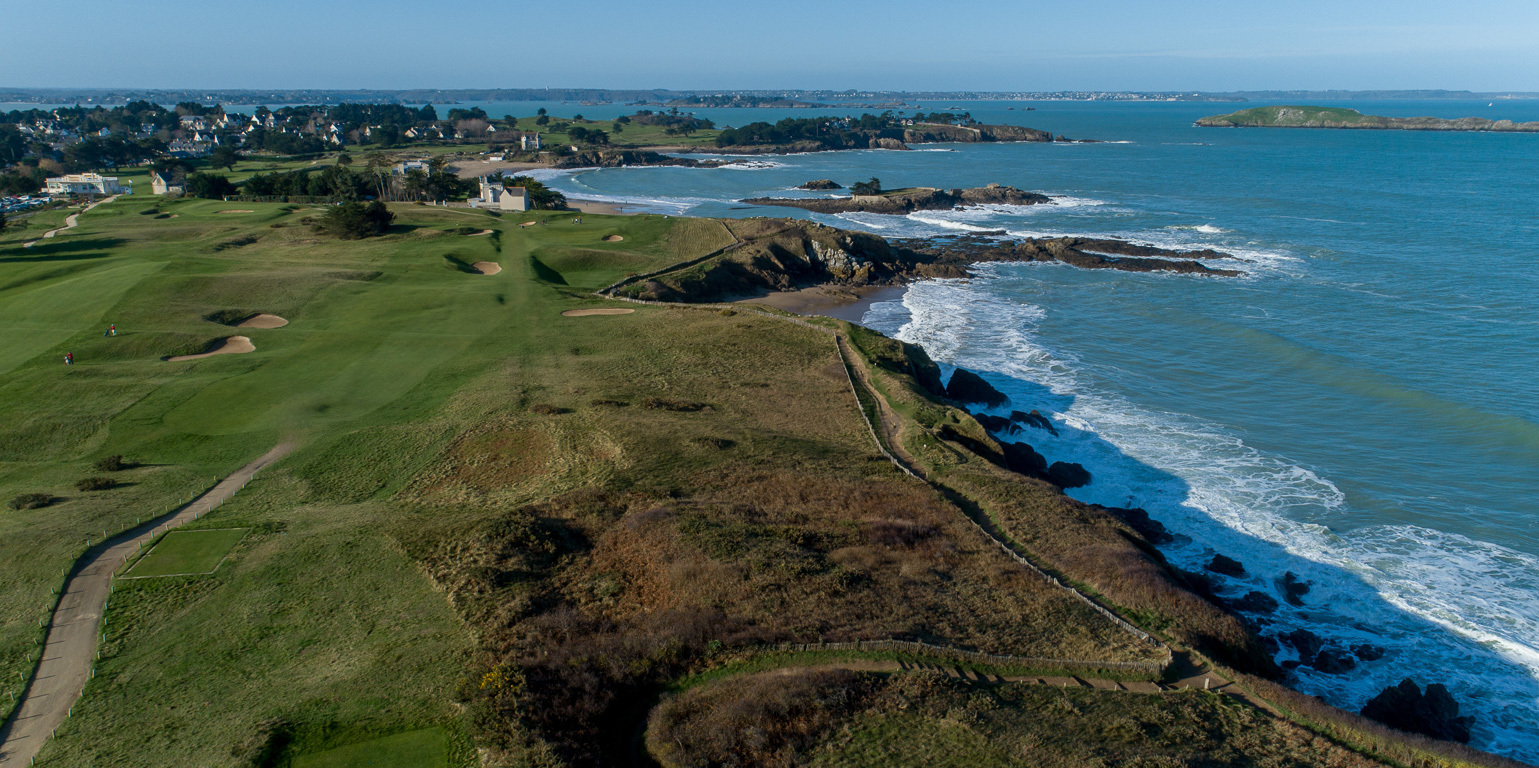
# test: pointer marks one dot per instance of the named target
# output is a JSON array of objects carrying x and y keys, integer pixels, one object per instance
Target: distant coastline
[{"x": 1341, "y": 117}]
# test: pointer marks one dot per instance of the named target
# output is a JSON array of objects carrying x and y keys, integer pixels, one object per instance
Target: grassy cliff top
[{"x": 1287, "y": 116}]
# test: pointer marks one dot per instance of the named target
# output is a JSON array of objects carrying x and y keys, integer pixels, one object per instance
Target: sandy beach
[
  {"x": 848, "y": 303},
  {"x": 470, "y": 168},
  {"x": 594, "y": 206}
]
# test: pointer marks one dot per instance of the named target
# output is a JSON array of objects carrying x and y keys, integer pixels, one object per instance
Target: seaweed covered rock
[
  {"x": 968, "y": 387},
  {"x": 1293, "y": 588},
  {"x": 1368, "y": 652},
  {"x": 1305, "y": 642},
  {"x": 1068, "y": 474},
  {"x": 1227, "y": 566},
  {"x": 1254, "y": 602},
  {"x": 821, "y": 184},
  {"x": 1433, "y": 713},
  {"x": 1333, "y": 662}
]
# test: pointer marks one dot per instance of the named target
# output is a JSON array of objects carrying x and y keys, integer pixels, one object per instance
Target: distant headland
[{"x": 1341, "y": 117}]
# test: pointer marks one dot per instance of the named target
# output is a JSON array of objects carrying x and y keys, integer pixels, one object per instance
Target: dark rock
[
  {"x": 820, "y": 184},
  {"x": 1333, "y": 662},
  {"x": 1368, "y": 652},
  {"x": 968, "y": 387},
  {"x": 1434, "y": 713},
  {"x": 1307, "y": 643},
  {"x": 995, "y": 424},
  {"x": 1270, "y": 644},
  {"x": 1033, "y": 419},
  {"x": 1255, "y": 602},
  {"x": 925, "y": 370},
  {"x": 1139, "y": 520},
  {"x": 1068, "y": 474},
  {"x": 906, "y": 202},
  {"x": 616, "y": 158},
  {"x": 1227, "y": 566},
  {"x": 1291, "y": 664},
  {"x": 1022, "y": 458},
  {"x": 1293, "y": 589}
]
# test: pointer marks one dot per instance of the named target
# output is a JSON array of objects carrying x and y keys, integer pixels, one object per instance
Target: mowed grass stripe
[{"x": 182, "y": 553}]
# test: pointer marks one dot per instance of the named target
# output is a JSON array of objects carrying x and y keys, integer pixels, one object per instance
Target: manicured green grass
[
  {"x": 426, "y": 748},
  {"x": 183, "y": 553}
]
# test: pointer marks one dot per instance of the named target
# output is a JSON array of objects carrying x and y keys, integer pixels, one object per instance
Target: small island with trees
[{"x": 1342, "y": 117}]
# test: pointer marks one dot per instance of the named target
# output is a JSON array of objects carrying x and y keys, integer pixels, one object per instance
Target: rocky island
[
  {"x": 907, "y": 200},
  {"x": 1341, "y": 117}
]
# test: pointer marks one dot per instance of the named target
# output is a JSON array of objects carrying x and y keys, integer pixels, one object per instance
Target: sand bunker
[
  {"x": 592, "y": 312},
  {"x": 487, "y": 267},
  {"x": 237, "y": 211},
  {"x": 613, "y": 239},
  {"x": 235, "y": 345},
  {"x": 263, "y": 320},
  {"x": 482, "y": 232},
  {"x": 529, "y": 223}
]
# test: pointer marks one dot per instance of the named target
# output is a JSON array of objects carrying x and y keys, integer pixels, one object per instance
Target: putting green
[
  {"x": 427, "y": 748},
  {"x": 182, "y": 553}
]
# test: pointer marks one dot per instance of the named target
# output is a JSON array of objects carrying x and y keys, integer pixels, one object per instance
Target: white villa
[
  {"x": 165, "y": 184},
  {"x": 495, "y": 195},
  {"x": 85, "y": 184},
  {"x": 529, "y": 141}
]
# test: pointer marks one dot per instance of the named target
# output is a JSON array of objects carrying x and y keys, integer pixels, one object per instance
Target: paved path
[
  {"x": 70, "y": 221},
  {"x": 70, "y": 649}
]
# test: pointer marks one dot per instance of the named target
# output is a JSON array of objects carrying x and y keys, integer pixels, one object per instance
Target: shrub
[
  {"x": 548, "y": 409},
  {"x": 666, "y": 404},
  {"x": 113, "y": 463},
  {"x": 95, "y": 484},
  {"x": 32, "y": 501},
  {"x": 355, "y": 221}
]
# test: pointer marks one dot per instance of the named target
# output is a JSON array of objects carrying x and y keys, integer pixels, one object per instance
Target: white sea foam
[
  {"x": 1448, "y": 608},
  {"x": 1206, "y": 229},
  {"x": 751, "y": 165}
]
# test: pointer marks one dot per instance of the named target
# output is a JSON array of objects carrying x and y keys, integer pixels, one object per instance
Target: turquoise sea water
[{"x": 1360, "y": 408}]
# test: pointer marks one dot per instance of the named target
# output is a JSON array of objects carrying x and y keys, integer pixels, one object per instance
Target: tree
[
  {"x": 542, "y": 119},
  {"x": 355, "y": 221},
  {"x": 224, "y": 156},
  {"x": 540, "y": 112},
  {"x": 540, "y": 196},
  {"x": 211, "y": 186},
  {"x": 872, "y": 187},
  {"x": 344, "y": 158}
]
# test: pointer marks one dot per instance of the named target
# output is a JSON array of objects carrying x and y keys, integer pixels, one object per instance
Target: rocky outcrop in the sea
[
  {"x": 968, "y": 387},
  {"x": 1254, "y": 602},
  {"x": 1068, "y": 474},
  {"x": 1227, "y": 566},
  {"x": 1033, "y": 419},
  {"x": 1433, "y": 713},
  {"x": 931, "y": 133},
  {"x": 1082, "y": 252},
  {"x": 903, "y": 202},
  {"x": 1025, "y": 460},
  {"x": 821, "y": 184},
  {"x": 1293, "y": 588},
  {"x": 1139, "y": 520}
]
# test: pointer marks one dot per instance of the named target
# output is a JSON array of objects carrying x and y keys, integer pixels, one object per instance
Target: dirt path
[
  {"x": 70, "y": 649},
  {"x": 70, "y": 221}
]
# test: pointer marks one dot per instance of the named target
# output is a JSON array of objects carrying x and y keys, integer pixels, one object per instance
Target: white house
[
  {"x": 85, "y": 184},
  {"x": 529, "y": 141},
  {"x": 194, "y": 123},
  {"x": 495, "y": 195},
  {"x": 165, "y": 184}
]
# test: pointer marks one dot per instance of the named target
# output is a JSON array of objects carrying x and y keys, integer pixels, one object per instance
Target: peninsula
[
  {"x": 906, "y": 200},
  {"x": 1341, "y": 117}
]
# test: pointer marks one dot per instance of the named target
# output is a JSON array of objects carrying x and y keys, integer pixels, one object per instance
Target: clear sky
[{"x": 896, "y": 44}]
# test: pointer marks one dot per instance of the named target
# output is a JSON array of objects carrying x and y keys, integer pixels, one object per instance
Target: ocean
[{"x": 1359, "y": 409}]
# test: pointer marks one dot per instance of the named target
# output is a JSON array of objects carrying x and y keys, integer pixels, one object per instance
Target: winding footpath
[
  {"x": 70, "y": 649},
  {"x": 70, "y": 222}
]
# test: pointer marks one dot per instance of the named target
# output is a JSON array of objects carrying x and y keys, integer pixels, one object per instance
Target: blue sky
[{"x": 897, "y": 44}]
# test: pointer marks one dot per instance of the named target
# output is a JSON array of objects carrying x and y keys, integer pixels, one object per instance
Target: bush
[
  {"x": 211, "y": 186},
  {"x": 355, "y": 221},
  {"x": 548, "y": 409},
  {"x": 32, "y": 501},
  {"x": 113, "y": 463},
  {"x": 95, "y": 484}
]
